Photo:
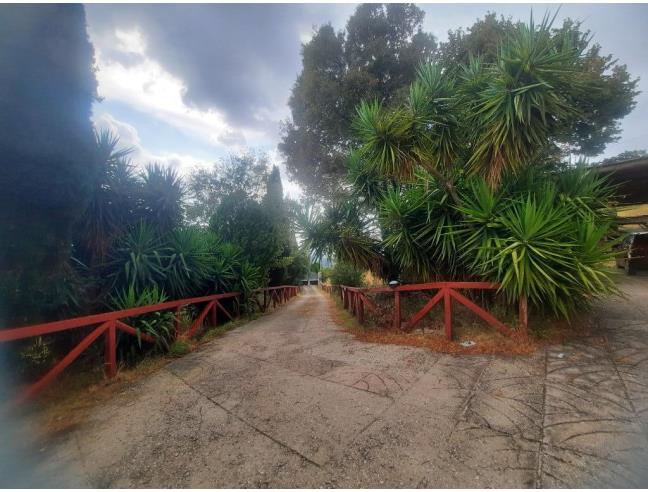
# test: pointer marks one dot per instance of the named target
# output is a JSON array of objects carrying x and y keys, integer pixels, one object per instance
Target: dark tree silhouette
[{"x": 47, "y": 151}]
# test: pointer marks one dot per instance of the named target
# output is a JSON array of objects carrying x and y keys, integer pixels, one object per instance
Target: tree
[
  {"x": 625, "y": 156},
  {"x": 292, "y": 263},
  {"x": 492, "y": 119},
  {"x": 246, "y": 173},
  {"x": 250, "y": 226},
  {"x": 454, "y": 183},
  {"x": 482, "y": 40},
  {"x": 376, "y": 57},
  {"x": 604, "y": 92},
  {"x": 346, "y": 274},
  {"x": 162, "y": 197},
  {"x": 47, "y": 151},
  {"x": 113, "y": 205}
]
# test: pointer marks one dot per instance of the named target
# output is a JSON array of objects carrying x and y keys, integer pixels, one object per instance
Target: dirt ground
[{"x": 291, "y": 400}]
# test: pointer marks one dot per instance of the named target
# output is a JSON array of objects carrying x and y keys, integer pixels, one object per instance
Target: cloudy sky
[{"x": 188, "y": 84}]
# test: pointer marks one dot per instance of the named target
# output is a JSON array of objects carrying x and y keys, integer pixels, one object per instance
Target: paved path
[{"x": 290, "y": 401}]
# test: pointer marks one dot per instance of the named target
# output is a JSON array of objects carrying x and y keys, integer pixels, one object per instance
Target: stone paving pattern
[{"x": 289, "y": 400}]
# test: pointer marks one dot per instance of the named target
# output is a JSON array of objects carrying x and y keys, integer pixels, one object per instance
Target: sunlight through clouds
[
  {"x": 140, "y": 156},
  {"x": 145, "y": 85}
]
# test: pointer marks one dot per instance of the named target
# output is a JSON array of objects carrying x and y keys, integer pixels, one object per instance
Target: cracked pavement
[{"x": 289, "y": 400}]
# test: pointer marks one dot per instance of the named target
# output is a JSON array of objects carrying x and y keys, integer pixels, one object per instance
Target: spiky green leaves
[
  {"x": 538, "y": 244},
  {"x": 187, "y": 262},
  {"x": 387, "y": 138},
  {"x": 343, "y": 231},
  {"x": 523, "y": 102},
  {"x": 424, "y": 132},
  {"x": 497, "y": 117}
]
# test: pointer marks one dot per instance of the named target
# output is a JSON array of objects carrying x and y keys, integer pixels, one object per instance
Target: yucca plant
[
  {"x": 162, "y": 195},
  {"x": 368, "y": 184},
  {"x": 226, "y": 264},
  {"x": 480, "y": 231},
  {"x": 387, "y": 137},
  {"x": 402, "y": 214},
  {"x": 158, "y": 324},
  {"x": 589, "y": 195},
  {"x": 534, "y": 255},
  {"x": 113, "y": 201},
  {"x": 189, "y": 264},
  {"x": 344, "y": 231},
  {"x": 463, "y": 180},
  {"x": 434, "y": 108},
  {"x": 138, "y": 259},
  {"x": 523, "y": 102}
]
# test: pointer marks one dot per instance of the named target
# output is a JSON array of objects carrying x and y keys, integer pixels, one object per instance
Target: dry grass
[{"x": 429, "y": 332}]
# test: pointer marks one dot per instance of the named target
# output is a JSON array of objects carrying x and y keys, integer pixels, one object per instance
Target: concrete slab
[{"x": 290, "y": 400}]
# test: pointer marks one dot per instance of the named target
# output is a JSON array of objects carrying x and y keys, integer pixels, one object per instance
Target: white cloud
[
  {"x": 128, "y": 75},
  {"x": 129, "y": 138},
  {"x": 131, "y": 42},
  {"x": 306, "y": 36},
  {"x": 145, "y": 85}
]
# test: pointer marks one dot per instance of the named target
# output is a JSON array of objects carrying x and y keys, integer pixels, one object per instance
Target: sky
[{"x": 186, "y": 85}]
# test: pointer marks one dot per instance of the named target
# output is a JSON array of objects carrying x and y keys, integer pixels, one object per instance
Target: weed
[{"x": 180, "y": 347}]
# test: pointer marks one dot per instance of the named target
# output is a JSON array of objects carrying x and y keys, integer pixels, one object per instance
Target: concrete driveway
[{"x": 288, "y": 400}]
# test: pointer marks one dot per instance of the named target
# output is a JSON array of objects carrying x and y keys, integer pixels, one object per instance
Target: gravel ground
[{"x": 289, "y": 400}]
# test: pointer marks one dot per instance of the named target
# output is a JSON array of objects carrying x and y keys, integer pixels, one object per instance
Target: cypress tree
[
  {"x": 274, "y": 203},
  {"x": 47, "y": 154}
]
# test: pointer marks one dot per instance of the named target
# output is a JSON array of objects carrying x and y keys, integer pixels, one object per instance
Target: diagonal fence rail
[
  {"x": 355, "y": 300},
  {"x": 108, "y": 324},
  {"x": 276, "y": 295}
]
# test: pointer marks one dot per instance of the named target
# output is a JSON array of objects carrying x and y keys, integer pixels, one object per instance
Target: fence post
[
  {"x": 111, "y": 350},
  {"x": 213, "y": 316},
  {"x": 447, "y": 308},
  {"x": 523, "y": 314},
  {"x": 177, "y": 321},
  {"x": 360, "y": 309},
  {"x": 397, "y": 310}
]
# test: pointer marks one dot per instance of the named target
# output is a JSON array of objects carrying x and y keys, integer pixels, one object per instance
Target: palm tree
[
  {"x": 455, "y": 184},
  {"x": 162, "y": 196},
  {"x": 489, "y": 121},
  {"x": 113, "y": 202}
]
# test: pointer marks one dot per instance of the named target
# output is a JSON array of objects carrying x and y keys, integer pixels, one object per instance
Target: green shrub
[
  {"x": 159, "y": 324},
  {"x": 325, "y": 273},
  {"x": 346, "y": 274},
  {"x": 189, "y": 264},
  {"x": 464, "y": 180},
  {"x": 179, "y": 348},
  {"x": 138, "y": 259}
]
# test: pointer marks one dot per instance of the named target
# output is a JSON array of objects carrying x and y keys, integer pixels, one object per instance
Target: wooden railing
[
  {"x": 356, "y": 300},
  {"x": 276, "y": 295},
  {"x": 107, "y": 325}
]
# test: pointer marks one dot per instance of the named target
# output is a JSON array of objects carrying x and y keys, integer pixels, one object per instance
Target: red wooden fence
[
  {"x": 109, "y": 323},
  {"x": 276, "y": 295},
  {"x": 355, "y": 300}
]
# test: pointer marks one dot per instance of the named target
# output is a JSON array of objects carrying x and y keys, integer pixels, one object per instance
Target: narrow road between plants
[{"x": 290, "y": 400}]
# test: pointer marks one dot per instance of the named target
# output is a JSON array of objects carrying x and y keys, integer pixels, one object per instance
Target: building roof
[{"x": 630, "y": 176}]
